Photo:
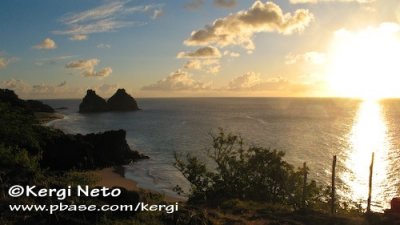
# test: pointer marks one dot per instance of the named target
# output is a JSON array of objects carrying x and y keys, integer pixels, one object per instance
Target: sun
[{"x": 366, "y": 64}]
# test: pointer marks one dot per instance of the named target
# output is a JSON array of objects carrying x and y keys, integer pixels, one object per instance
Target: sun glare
[{"x": 365, "y": 64}]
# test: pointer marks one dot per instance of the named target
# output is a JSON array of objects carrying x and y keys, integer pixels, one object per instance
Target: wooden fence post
[
  {"x": 371, "y": 170},
  {"x": 333, "y": 185}
]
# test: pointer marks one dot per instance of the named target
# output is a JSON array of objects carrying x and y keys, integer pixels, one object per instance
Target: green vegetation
[
  {"x": 247, "y": 173},
  {"x": 251, "y": 184},
  {"x": 247, "y": 184},
  {"x": 35, "y": 155}
]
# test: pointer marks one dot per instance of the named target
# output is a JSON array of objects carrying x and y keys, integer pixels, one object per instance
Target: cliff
[
  {"x": 120, "y": 101},
  {"x": 56, "y": 150},
  {"x": 90, "y": 151},
  {"x": 8, "y": 96},
  {"x": 92, "y": 103}
]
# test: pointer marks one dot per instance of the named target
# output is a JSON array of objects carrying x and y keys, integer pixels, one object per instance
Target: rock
[
  {"x": 38, "y": 106},
  {"x": 92, "y": 103},
  {"x": 65, "y": 151},
  {"x": 121, "y": 101},
  {"x": 11, "y": 98},
  {"x": 8, "y": 96}
]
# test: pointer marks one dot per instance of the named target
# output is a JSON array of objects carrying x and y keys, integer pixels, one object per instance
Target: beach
[{"x": 114, "y": 177}]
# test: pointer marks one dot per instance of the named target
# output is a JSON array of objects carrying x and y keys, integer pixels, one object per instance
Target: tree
[{"x": 246, "y": 173}]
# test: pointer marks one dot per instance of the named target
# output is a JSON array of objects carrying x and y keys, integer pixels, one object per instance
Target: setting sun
[{"x": 365, "y": 63}]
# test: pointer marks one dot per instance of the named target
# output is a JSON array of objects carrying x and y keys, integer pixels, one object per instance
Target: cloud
[
  {"x": 225, "y": 3},
  {"x": 246, "y": 81},
  {"x": 78, "y": 37},
  {"x": 253, "y": 82},
  {"x": 15, "y": 84},
  {"x": 107, "y": 88},
  {"x": 111, "y": 16},
  {"x": 60, "y": 90},
  {"x": 204, "y": 52},
  {"x": 86, "y": 67},
  {"x": 177, "y": 81},
  {"x": 194, "y": 4},
  {"x": 103, "y": 46},
  {"x": 239, "y": 28},
  {"x": 308, "y": 57},
  {"x": 208, "y": 65},
  {"x": 157, "y": 13},
  {"x": 46, "y": 44},
  {"x": 53, "y": 60},
  {"x": 42, "y": 90},
  {"x": 4, "y": 63},
  {"x": 5, "y": 60},
  {"x": 318, "y": 1},
  {"x": 231, "y": 54}
]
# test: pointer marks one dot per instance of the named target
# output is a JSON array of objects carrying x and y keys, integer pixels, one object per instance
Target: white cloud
[
  {"x": 204, "y": 52},
  {"x": 42, "y": 90},
  {"x": 208, "y": 65},
  {"x": 103, "y": 46},
  {"x": 3, "y": 63},
  {"x": 106, "y": 89},
  {"x": 231, "y": 54},
  {"x": 157, "y": 13},
  {"x": 318, "y": 1},
  {"x": 178, "y": 81},
  {"x": 52, "y": 61},
  {"x": 193, "y": 64},
  {"x": 16, "y": 85},
  {"x": 110, "y": 16},
  {"x": 78, "y": 37},
  {"x": 253, "y": 82},
  {"x": 5, "y": 60},
  {"x": 86, "y": 67},
  {"x": 276, "y": 86},
  {"x": 46, "y": 44},
  {"x": 225, "y": 3},
  {"x": 308, "y": 57},
  {"x": 246, "y": 81},
  {"x": 59, "y": 90},
  {"x": 239, "y": 28}
]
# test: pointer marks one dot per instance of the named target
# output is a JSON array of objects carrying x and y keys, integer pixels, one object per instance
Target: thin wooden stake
[
  {"x": 333, "y": 185},
  {"x": 371, "y": 170},
  {"x": 304, "y": 185}
]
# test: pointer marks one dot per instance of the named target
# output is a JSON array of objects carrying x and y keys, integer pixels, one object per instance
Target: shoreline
[
  {"x": 45, "y": 117},
  {"x": 114, "y": 176},
  {"x": 109, "y": 176}
]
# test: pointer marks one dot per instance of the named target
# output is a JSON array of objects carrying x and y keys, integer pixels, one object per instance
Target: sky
[{"x": 200, "y": 48}]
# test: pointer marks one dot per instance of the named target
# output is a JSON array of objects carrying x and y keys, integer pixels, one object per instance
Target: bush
[{"x": 245, "y": 173}]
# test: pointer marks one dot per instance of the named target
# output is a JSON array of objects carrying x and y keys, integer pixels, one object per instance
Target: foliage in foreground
[{"x": 246, "y": 173}]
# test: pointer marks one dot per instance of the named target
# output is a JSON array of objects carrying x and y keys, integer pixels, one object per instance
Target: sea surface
[{"x": 306, "y": 129}]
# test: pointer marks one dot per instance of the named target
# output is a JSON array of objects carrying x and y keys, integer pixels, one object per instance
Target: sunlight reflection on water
[{"x": 369, "y": 134}]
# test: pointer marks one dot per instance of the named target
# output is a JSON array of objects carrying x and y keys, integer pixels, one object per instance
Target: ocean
[{"x": 310, "y": 130}]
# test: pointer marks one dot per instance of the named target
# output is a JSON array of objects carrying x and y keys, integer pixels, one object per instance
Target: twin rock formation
[{"x": 120, "y": 101}]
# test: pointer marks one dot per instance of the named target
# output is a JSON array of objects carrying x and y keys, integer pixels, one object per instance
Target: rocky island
[{"x": 120, "y": 101}]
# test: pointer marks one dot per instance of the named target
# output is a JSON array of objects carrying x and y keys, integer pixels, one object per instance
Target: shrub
[{"x": 246, "y": 173}]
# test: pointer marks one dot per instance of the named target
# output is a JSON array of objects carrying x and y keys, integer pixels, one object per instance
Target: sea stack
[
  {"x": 92, "y": 103},
  {"x": 121, "y": 101}
]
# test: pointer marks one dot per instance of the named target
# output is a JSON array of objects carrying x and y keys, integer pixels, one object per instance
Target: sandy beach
[
  {"x": 45, "y": 117},
  {"x": 111, "y": 177}
]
